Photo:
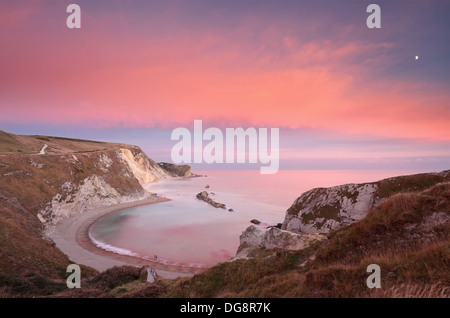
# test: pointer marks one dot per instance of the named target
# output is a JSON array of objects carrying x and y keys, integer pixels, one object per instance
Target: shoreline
[{"x": 71, "y": 236}]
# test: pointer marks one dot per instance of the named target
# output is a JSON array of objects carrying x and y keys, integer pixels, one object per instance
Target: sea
[{"x": 188, "y": 232}]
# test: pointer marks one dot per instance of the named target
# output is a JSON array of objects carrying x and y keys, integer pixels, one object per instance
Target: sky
[{"x": 343, "y": 96}]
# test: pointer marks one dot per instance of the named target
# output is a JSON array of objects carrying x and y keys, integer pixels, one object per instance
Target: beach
[{"x": 71, "y": 236}]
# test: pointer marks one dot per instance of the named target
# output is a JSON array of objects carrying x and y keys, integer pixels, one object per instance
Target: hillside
[
  {"x": 71, "y": 176},
  {"x": 19, "y": 144}
]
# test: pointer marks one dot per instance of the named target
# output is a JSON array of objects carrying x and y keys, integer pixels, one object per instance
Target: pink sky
[{"x": 126, "y": 68}]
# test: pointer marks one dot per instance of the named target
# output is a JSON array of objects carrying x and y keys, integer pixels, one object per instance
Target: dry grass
[
  {"x": 118, "y": 276},
  {"x": 20, "y": 144},
  {"x": 5, "y": 293},
  {"x": 22, "y": 249},
  {"x": 413, "y": 290},
  {"x": 147, "y": 291},
  {"x": 287, "y": 285},
  {"x": 236, "y": 277},
  {"x": 385, "y": 228},
  {"x": 412, "y": 183}
]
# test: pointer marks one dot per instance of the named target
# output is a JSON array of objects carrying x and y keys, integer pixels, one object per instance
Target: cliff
[
  {"x": 45, "y": 179},
  {"x": 323, "y": 209},
  {"x": 54, "y": 186},
  {"x": 176, "y": 170}
]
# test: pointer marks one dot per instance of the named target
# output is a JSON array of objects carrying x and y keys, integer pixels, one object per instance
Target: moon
[{"x": 417, "y": 57}]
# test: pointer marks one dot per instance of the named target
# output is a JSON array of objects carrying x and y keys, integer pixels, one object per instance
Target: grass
[
  {"x": 239, "y": 276},
  {"x": 49, "y": 138},
  {"x": 351, "y": 195},
  {"x": 9, "y": 144},
  {"x": 412, "y": 183},
  {"x": 33, "y": 285},
  {"x": 5, "y": 293},
  {"x": 385, "y": 225},
  {"x": 116, "y": 282},
  {"x": 327, "y": 212},
  {"x": 414, "y": 291},
  {"x": 118, "y": 276}
]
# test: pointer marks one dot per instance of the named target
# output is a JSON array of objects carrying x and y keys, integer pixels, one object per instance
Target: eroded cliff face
[
  {"x": 320, "y": 210},
  {"x": 144, "y": 169},
  {"x": 117, "y": 177},
  {"x": 323, "y": 209},
  {"x": 176, "y": 170},
  {"x": 56, "y": 186},
  {"x": 91, "y": 193}
]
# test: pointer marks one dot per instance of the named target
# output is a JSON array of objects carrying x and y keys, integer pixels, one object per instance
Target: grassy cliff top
[{"x": 20, "y": 144}]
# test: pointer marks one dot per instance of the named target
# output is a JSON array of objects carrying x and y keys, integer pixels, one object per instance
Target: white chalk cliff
[
  {"x": 108, "y": 177},
  {"x": 323, "y": 209}
]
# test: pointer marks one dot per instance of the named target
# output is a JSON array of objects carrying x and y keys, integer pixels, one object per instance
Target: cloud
[
  {"x": 14, "y": 13},
  {"x": 251, "y": 73}
]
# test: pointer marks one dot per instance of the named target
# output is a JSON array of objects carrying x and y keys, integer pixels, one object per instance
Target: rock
[
  {"x": 207, "y": 186},
  {"x": 323, "y": 209},
  {"x": 278, "y": 226},
  {"x": 255, "y": 221},
  {"x": 255, "y": 237},
  {"x": 91, "y": 193},
  {"x": 144, "y": 169},
  {"x": 231, "y": 210},
  {"x": 115, "y": 176},
  {"x": 177, "y": 170},
  {"x": 151, "y": 275},
  {"x": 205, "y": 197}
]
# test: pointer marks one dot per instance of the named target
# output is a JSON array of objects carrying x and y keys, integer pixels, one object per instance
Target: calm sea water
[{"x": 186, "y": 231}]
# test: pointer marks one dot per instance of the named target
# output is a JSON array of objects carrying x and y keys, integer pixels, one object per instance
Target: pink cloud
[
  {"x": 247, "y": 75},
  {"x": 13, "y": 14}
]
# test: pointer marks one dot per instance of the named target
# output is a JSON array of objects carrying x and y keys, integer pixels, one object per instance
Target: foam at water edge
[
  {"x": 123, "y": 251},
  {"x": 110, "y": 248}
]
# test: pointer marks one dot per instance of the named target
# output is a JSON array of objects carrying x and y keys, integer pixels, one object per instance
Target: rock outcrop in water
[
  {"x": 323, "y": 209},
  {"x": 204, "y": 196}
]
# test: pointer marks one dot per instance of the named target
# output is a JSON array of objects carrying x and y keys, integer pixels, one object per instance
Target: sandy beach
[{"x": 72, "y": 237}]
